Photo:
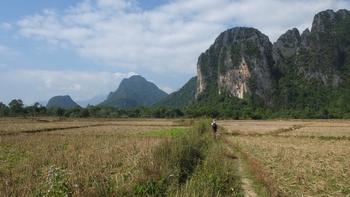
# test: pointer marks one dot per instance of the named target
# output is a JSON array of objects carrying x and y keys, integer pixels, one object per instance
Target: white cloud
[
  {"x": 168, "y": 38},
  {"x": 164, "y": 40},
  {"x": 35, "y": 85}
]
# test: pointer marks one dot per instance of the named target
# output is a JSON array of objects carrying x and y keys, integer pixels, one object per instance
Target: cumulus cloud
[
  {"x": 46, "y": 83},
  {"x": 168, "y": 38},
  {"x": 164, "y": 40}
]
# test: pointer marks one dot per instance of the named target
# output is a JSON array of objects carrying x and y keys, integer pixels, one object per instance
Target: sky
[{"x": 84, "y": 48}]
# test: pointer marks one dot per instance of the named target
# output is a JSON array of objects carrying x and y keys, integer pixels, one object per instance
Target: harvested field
[
  {"x": 308, "y": 167},
  {"x": 15, "y": 126},
  {"x": 244, "y": 127},
  {"x": 316, "y": 131},
  {"x": 115, "y": 157},
  {"x": 90, "y": 161},
  {"x": 334, "y": 128},
  {"x": 304, "y": 158}
]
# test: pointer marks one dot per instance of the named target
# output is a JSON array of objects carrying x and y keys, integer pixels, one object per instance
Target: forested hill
[
  {"x": 134, "y": 92},
  {"x": 64, "y": 102},
  {"x": 181, "y": 98}
]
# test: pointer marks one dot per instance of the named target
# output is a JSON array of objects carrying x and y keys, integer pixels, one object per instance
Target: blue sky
[{"x": 84, "y": 48}]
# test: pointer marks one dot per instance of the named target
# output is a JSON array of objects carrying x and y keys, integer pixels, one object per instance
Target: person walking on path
[{"x": 214, "y": 126}]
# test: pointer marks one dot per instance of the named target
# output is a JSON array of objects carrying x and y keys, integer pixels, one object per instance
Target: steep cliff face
[
  {"x": 236, "y": 80},
  {"x": 296, "y": 71},
  {"x": 287, "y": 46},
  {"x": 315, "y": 55},
  {"x": 239, "y": 63},
  {"x": 311, "y": 64}
]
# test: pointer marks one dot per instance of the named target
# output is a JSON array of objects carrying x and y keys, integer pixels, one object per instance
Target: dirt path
[{"x": 246, "y": 182}]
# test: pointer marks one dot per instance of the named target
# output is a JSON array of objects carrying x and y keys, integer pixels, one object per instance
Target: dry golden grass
[
  {"x": 251, "y": 127},
  {"x": 102, "y": 157},
  {"x": 98, "y": 161},
  {"x": 325, "y": 128},
  {"x": 317, "y": 131},
  {"x": 296, "y": 157},
  {"x": 302, "y": 167},
  {"x": 19, "y": 125},
  {"x": 122, "y": 130}
]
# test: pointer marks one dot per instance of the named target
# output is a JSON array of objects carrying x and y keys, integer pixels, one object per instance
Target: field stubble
[
  {"x": 315, "y": 165},
  {"x": 92, "y": 161}
]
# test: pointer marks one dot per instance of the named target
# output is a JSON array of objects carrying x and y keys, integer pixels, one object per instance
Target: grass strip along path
[{"x": 191, "y": 164}]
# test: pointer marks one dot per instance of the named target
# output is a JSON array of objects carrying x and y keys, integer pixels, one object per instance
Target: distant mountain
[
  {"x": 181, "y": 98},
  {"x": 64, "y": 102},
  {"x": 134, "y": 92},
  {"x": 93, "y": 101}
]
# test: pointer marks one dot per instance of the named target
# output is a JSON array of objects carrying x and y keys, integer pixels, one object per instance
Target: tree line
[
  {"x": 16, "y": 108},
  {"x": 220, "y": 107}
]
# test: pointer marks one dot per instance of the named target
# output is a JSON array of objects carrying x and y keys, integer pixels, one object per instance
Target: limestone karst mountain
[
  {"x": 310, "y": 69},
  {"x": 134, "y": 92},
  {"x": 64, "y": 102}
]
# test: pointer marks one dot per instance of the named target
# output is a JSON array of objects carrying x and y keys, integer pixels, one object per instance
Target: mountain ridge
[
  {"x": 181, "y": 98},
  {"x": 135, "y": 91},
  {"x": 299, "y": 72}
]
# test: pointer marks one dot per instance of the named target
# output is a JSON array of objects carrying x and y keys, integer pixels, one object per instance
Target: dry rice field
[
  {"x": 94, "y": 157},
  {"x": 102, "y": 157},
  {"x": 297, "y": 157}
]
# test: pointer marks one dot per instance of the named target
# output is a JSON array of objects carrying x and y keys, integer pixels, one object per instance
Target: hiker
[{"x": 214, "y": 126}]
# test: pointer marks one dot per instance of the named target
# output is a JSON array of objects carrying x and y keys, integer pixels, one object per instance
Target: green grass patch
[
  {"x": 172, "y": 132},
  {"x": 217, "y": 175},
  {"x": 192, "y": 163}
]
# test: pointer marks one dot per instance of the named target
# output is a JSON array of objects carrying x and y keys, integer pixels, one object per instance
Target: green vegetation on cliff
[{"x": 181, "y": 98}]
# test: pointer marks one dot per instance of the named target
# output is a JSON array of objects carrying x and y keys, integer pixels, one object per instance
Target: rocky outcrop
[
  {"x": 243, "y": 62},
  {"x": 305, "y": 38},
  {"x": 239, "y": 62},
  {"x": 287, "y": 45},
  {"x": 316, "y": 55},
  {"x": 236, "y": 80}
]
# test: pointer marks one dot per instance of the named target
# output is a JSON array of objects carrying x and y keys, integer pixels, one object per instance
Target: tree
[
  {"x": 59, "y": 112},
  {"x": 16, "y": 107},
  {"x": 84, "y": 113},
  {"x": 35, "y": 109},
  {"x": 4, "y": 110}
]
